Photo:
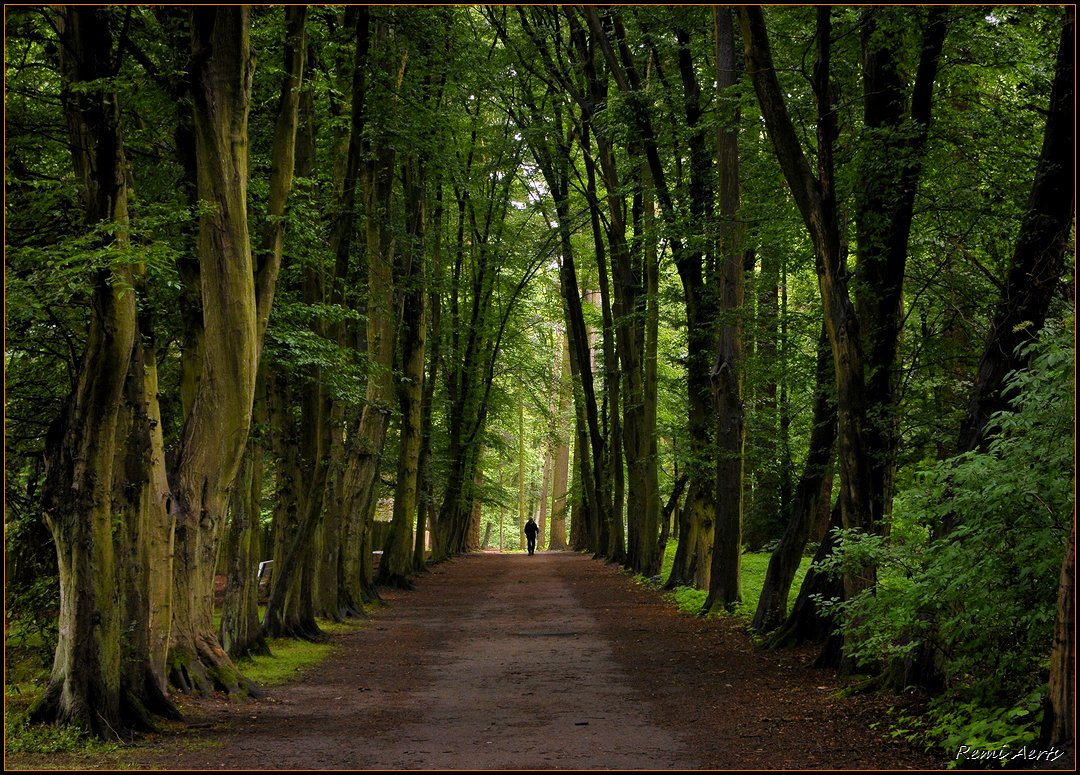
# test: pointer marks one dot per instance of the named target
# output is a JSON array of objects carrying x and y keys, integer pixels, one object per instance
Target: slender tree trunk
[
  {"x": 763, "y": 519},
  {"x": 579, "y": 539},
  {"x": 397, "y": 561},
  {"x": 557, "y": 532},
  {"x": 426, "y": 502},
  {"x": 383, "y": 309},
  {"x": 475, "y": 509},
  {"x": 724, "y": 580},
  {"x": 237, "y": 624},
  {"x": 349, "y": 151},
  {"x": 772, "y": 605},
  {"x": 240, "y": 630}
]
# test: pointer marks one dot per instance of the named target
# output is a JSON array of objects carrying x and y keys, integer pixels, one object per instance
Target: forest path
[{"x": 553, "y": 661}]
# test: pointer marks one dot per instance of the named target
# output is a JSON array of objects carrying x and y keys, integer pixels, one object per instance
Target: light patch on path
[{"x": 526, "y": 680}]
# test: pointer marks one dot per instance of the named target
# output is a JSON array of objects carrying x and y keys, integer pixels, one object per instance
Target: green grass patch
[
  {"x": 22, "y": 737},
  {"x": 292, "y": 658},
  {"x": 752, "y": 569}
]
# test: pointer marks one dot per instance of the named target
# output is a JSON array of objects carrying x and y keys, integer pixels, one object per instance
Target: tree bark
[
  {"x": 724, "y": 581},
  {"x": 396, "y": 565},
  {"x": 785, "y": 559},
  {"x": 1059, "y": 716},
  {"x": 215, "y": 431},
  {"x": 106, "y": 432},
  {"x": 805, "y": 624},
  {"x": 240, "y": 630}
]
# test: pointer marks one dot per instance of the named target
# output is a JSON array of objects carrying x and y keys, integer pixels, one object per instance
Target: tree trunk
[
  {"x": 475, "y": 509},
  {"x": 240, "y": 630},
  {"x": 241, "y": 584},
  {"x": 724, "y": 580},
  {"x": 383, "y": 308},
  {"x": 142, "y": 502},
  {"x": 772, "y": 605},
  {"x": 349, "y": 151},
  {"x": 290, "y": 608},
  {"x": 561, "y": 464},
  {"x": 894, "y": 148},
  {"x": 805, "y": 624},
  {"x": 763, "y": 513},
  {"x": 215, "y": 431},
  {"x": 99, "y": 681},
  {"x": 1059, "y": 718},
  {"x": 816, "y": 199},
  {"x": 397, "y": 560}
]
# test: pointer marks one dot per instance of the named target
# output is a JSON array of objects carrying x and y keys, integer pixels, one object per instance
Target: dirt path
[{"x": 548, "y": 662}]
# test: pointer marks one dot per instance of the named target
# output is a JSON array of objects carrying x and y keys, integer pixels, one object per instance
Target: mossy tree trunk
[
  {"x": 105, "y": 499},
  {"x": 397, "y": 561},
  {"x": 364, "y": 452},
  {"x": 240, "y": 630},
  {"x": 216, "y": 428},
  {"x": 239, "y": 627}
]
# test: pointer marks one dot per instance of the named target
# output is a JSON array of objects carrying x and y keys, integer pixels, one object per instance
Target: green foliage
[
  {"x": 20, "y": 736},
  {"x": 689, "y": 599},
  {"x": 984, "y": 596},
  {"x": 950, "y": 724},
  {"x": 752, "y": 567},
  {"x": 31, "y": 616}
]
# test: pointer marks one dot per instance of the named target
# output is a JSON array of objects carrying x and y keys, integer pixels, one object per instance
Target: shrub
[{"x": 983, "y": 598}]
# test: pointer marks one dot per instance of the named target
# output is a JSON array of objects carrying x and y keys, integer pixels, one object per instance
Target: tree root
[{"x": 207, "y": 670}]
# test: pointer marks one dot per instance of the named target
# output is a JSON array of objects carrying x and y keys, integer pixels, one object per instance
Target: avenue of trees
[{"x": 312, "y": 284}]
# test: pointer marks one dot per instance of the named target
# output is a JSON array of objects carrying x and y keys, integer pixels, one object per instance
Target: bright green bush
[{"x": 982, "y": 598}]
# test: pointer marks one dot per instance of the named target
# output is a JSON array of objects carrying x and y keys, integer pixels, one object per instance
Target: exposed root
[{"x": 208, "y": 670}]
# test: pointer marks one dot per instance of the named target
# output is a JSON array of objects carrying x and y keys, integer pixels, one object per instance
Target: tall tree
[
  {"x": 216, "y": 428},
  {"x": 1038, "y": 255},
  {"x": 397, "y": 560},
  {"x": 815, "y": 196},
  {"x": 237, "y": 632},
  {"x": 95, "y": 683},
  {"x": 724, "y": 581}
]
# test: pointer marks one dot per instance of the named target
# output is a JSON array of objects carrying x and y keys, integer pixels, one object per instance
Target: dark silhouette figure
[{"x": 531, "y": 529}]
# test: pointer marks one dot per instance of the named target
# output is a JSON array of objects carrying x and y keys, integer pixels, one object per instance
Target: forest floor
[{"x": 555, "y": 661}]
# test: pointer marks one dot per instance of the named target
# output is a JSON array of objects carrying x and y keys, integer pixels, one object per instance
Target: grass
[
  {"x": 26, "y": 679},
  {"x": 292, "y": 658},
  {"x": 753, "y": 566}
]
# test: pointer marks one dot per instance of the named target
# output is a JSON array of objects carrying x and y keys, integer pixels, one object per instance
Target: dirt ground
[{"x": 554, "y": 661}]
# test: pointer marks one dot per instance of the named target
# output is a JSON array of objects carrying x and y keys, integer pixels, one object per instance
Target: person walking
[{"x": 531, "y": 529}]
